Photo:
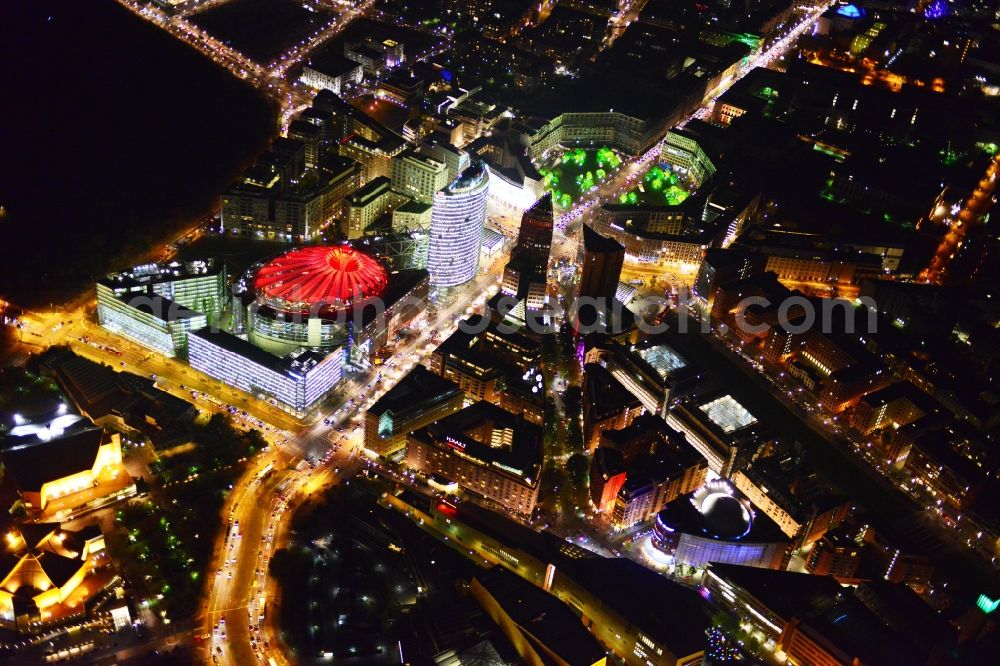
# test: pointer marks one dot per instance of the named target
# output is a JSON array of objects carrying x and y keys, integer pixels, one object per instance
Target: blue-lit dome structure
[{"x": 716, "y": 524}]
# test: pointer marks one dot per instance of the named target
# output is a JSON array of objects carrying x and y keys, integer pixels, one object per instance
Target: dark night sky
[{"x": 110, "y": 130}]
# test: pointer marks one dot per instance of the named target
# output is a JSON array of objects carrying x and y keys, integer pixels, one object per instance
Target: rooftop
[
  {"x": 292, "y": 365},
  {"x": 667, "y": 612},
  {"x": 305, "y": 278},
  {"x": 717, "y": 511},
  {"x": 595, "y": 242},
  {"x": 36, "y": 463},
  {"x": 413, "y": 391},
  {"x": 150, "y": 274},
  {"x": 828, "y": 613},
  {"x": 727, "y": 414},
  {"x": 332, "y": 64},
  {"x": 605, "y": 394},
  {"x": 491, "y": 437},
  {"x": 542, "y": 616},
  {"x": 662, "y": 358}
]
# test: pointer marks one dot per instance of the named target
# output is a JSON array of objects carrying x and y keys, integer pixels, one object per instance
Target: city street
[{"x": 322, "y": 456}]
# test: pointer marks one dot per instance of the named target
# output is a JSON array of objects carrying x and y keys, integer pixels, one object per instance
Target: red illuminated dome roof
[{"x": 321, "y": 277}]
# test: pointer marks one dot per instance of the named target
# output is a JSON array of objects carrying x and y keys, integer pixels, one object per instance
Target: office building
[
  {"x": 837, "y": 554},
  {"x": 895, "y": 406},
  {"x": 157, "y": 305},
  {"x": 412, "y": 216},
  {"x": 719, "y": 428},
  {"x": 481, "y": 358},
  {"x": 150, "y": 320},
  {"x": 813, "y": 620},
  {"x": 331, "y": 72},
  {"x": 515, "y": 181},
  {"x": 365, "y": 206},
  {"x": 485, "y": 450},
  {"x": 524, "y": 395},
  {"x": 660, "y": 466},
  {"x": 607, "y": 405},
  {"x": 683, "y": 152},
  {"x": 792, "y": 494},
  {"x": 129, "y": 403},
  {"x": 456, "y": 159},
  {"x": 722, "y": 266},
  {"x": 525, "y": 276},
  {"x": 373, "y": 156},
  {"x": 264, "y": 204},
  {"x": 619, "y": 601},
  {"x": 419, "y": 176},
  {"x": 607, "y": 476},
  {"x": 199, "y": 284},
  {"x": 457, "y": 221},
  {"x": 602, "y": 265},
  {"x": 534, "y": 236},
  {"x": 297, "y": 383},
  {"x": 624, "y": 603},
  {"x": 418, "y": 399},
  {"x": 651, "y": 370},
  {"x": 311, "y": 137}
]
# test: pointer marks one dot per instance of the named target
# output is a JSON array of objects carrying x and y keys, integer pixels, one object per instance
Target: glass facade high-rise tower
[
  {"x": 457, "y": 220},
  {"x": 534, "y": 238}
]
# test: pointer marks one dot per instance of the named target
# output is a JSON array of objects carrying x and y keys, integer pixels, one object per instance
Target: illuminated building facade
[
  {"x": 792, "y": 495},
  {"x": 412, "y": 216},
  {"x": 718, "y": 427},
  {"x": 457, "y": 221},
  {"x": 322, "y": 297},
  {"x": 275, "y": 200},
  {"x": 61, "y": 475},
  {"x": 456, "y": 159},
  {"x": 152, "y": 321},
  {"x": 526, "y": 275},
  {"x": 836, "y": 554},
  {"x": 660, "y": 466},
  {"x": 618, "y": 130},
  {"x": 332, "y": 73},
  {"x": 157, "y": 305},
  {"x": 515, "y": 183},
  {"x": 607, "y": 476},
  {"x": 296, "y": 383},
  {"x": 652, "y": 371},
  {"x": 685, "y": 155},
  {"x": 199, "y": 284},
  {"x": 49, "y": 574},
  {"x": 417, "y": 400},
  {"x": 374, "y": 156},
  {"x": 814, "y": 620},
  {"x": 487, "y": 451},
  {"x": 895, "y": 406},
  {"x": 534, "y": 236},
  {"x": 419, "y": 176},
  {"x": 367, "y": 204},
  {"x": 480, "y": 358},
  {"x": 714, "y": 524}
]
